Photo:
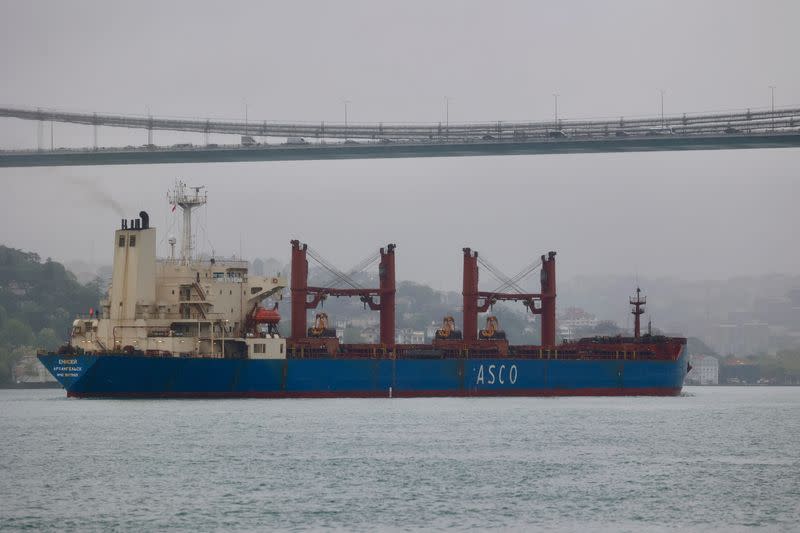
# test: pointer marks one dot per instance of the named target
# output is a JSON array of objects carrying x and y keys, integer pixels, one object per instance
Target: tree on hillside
[
  {"x": 6, "y": 362},
  {"x": 257, "y": 266},
  {"x": 696, "y": 346},
  {"x": 47, "y": 339},
  {"x": 790, "y": 361},
  {"x": 37, "y": 296},
  {"x": 17, "y": 333}
]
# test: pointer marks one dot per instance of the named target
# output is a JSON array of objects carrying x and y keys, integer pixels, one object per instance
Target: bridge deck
[{"x": 128, "y": 156}]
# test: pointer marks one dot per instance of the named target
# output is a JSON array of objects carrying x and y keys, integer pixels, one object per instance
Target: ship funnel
[{"x": 145, "y": 219}]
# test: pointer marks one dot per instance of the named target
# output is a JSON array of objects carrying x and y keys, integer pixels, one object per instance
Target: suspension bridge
[{"x": 280, "y": 141}]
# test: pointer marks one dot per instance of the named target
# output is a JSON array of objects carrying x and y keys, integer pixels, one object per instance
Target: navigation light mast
[{"x": 187, "y": 198}]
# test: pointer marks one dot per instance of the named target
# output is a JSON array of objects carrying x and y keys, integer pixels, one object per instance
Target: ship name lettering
[
  {"x": 68, "y": 368},
  {"x": 68, "y": 361},
  {"x": 504, "y": 374}
]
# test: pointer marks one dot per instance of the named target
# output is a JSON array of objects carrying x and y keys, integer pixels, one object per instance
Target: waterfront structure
[{"x": 705, "y": 370}]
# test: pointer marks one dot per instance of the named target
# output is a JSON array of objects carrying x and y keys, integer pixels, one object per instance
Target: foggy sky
[{"x": 694, "y": 215}]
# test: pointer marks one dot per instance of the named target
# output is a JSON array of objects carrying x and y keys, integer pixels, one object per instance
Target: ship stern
[{"x": 68, "y": 369}]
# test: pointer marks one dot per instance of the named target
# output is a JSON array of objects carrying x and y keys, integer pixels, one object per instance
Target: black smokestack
[{"x": 145, "y": 219}]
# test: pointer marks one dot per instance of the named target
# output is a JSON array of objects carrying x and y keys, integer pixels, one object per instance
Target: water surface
[{"x": 712, "y": 459}]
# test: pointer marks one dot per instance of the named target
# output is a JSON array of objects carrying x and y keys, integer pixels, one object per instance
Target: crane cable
[
  {"x": 358, "y": 268},
  {"x": 522, "y": 274},
  {"x": 340, "y": 277},
  {"x": 498, "y": 275},
  {"x": 512, "y": 282}
]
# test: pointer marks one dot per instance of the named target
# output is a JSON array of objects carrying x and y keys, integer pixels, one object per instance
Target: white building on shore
[
  {"x": 705, "y": 370},
  {"x": 410, "y": 336}
]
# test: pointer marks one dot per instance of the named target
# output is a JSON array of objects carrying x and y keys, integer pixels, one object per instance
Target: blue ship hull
[{"x": 132, "y": 376}]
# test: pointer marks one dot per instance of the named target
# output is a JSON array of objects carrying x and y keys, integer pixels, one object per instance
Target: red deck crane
[
  {"x": 385, "y": 293},
  {"x": 476, "y": 301}
]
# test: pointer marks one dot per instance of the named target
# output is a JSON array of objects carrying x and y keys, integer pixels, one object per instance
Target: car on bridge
[
  {"x": 664, "y": 130},
  {"x": 557, "y": 134}
]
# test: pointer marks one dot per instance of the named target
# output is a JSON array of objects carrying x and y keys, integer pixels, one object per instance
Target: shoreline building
[
  {"x": 574, "y": 319},
  {"x": 705, "y": 370}
]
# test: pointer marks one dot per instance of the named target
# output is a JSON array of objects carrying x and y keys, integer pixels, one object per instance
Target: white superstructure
[{"x": 181, "y": 307}]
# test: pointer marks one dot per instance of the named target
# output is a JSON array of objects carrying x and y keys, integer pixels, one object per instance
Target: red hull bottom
[{"x": 644, "y": 391}]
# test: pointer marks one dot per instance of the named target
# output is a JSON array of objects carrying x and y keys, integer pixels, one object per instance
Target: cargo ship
[{"x": 182, "y": 327}]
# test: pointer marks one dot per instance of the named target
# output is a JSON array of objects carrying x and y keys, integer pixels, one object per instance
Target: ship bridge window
[
  {"x": 122, "y": 241},
  {"x": 133, "y": 241},
  {"x": 259, "y": 348}
]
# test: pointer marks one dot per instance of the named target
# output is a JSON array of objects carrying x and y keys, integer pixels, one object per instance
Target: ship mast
[
  {"x": 637, "y": 311},
  {"x": 187, "y": 198}
]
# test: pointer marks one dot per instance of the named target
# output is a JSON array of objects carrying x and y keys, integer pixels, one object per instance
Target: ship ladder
[{"x": 202, "y": 295}]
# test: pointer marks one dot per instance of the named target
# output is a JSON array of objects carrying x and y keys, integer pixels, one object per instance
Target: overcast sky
[{"x": 693, "y": 215}]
